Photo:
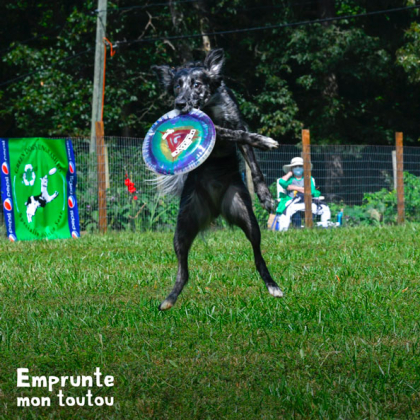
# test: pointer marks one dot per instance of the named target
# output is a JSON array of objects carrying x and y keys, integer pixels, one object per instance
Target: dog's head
[{"x": 193, "y": 84}]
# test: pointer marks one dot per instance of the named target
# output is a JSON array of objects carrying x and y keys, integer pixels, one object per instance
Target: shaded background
[{"x": 353, "y": 81}]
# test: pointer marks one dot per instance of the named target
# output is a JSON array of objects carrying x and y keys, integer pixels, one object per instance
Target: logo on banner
[
  {"x": 7, "y": 204},
  {"x": 34, "y": 202},
  {"x": 5, "y": 168},
  {"x": 74, "y": 234},
  {"x": 71, "y": 167},
  {"x": 12, "y": 238},
  {"x": 29, "y": 175},
  {"x": 71, "y": 201}
]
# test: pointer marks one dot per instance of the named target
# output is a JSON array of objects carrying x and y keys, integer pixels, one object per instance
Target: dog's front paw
[{"x": 270, "y": 143}]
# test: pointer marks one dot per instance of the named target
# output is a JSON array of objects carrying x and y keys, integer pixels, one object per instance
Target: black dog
[{"x": 216, "y": 187}]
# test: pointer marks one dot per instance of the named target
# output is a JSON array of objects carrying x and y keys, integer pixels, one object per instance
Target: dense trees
[{"x": 349, "y": 81}]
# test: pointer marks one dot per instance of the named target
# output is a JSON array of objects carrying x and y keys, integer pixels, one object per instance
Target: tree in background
[
  {"x": 409, "y": 54},
  {"x": 349, "y": 81}
]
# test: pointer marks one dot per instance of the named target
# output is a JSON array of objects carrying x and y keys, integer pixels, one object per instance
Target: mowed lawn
[{"x": 344, "y": 342}]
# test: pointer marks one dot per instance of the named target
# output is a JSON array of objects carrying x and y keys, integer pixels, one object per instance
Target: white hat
[{"x": 296, "y": 161}]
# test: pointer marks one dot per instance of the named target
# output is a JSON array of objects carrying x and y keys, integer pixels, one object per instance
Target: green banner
[{"x": 38, "y": 188}]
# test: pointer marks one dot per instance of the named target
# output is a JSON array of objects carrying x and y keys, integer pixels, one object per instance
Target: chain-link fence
[
  {"x": 131, "y": 201},
  {"x": 344, "y": 173},
  {"x": 359, "y": 179}
]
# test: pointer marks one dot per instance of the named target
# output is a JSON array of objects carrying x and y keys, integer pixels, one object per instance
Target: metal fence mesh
[
  {"x": 141, "y": 209},
  {"x": 360, "y": 179},
  {"x": 344, "y": 175}
]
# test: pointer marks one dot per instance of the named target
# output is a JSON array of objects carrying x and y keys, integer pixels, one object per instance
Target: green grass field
[{"x": 342, "y": 344}]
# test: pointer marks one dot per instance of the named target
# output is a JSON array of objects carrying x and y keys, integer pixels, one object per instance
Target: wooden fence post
[
  {"x": 100, "y": 156},
  {"x": 400, "y": 177},
  {"x": 306, "y": 155}
]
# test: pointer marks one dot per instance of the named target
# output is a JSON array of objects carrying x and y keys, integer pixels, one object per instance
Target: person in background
[{"x": 292, "y": 195}]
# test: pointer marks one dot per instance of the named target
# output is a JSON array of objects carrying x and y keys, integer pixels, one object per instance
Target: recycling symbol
[{"x": 29, "y": 175}]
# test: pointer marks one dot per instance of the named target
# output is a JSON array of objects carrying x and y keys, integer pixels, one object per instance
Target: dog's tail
[{"x": 169, "y": 184}]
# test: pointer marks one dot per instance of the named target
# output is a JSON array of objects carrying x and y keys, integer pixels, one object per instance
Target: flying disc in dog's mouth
[{"x": 178, "y": 143}]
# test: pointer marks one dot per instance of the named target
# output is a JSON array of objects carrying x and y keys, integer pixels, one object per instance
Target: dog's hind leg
[
  {"x": 184, "y": 237},
  {"x": 194, "y": 215},
  {"x": 236, "y": 208}
]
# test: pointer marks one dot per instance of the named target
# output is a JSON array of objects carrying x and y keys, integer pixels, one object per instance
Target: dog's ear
[
  {"x": 214, "y": 61},
  {"x": 165, "y": 76}
]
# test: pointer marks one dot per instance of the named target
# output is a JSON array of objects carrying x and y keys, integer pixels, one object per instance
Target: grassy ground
[{"x": 343, "y": 343}]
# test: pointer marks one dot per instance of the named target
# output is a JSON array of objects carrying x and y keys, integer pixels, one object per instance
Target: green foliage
[
  {"x": 380, "y": 207},
  {"x": 147, "y": 212},
  {"x": 56, "y": 100},
  {"x": 339, "y": 79},
  {"x": 273, "y": 110},
  {"x": 142, "y": 210},
  {"x": 409, "y": 55}
]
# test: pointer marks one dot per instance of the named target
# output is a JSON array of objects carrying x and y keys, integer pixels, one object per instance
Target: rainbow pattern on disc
[{"x": 178, "y": 143}]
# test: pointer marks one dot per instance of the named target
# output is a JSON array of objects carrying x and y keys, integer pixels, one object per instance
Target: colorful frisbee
[{"x": 178, "y": 143}]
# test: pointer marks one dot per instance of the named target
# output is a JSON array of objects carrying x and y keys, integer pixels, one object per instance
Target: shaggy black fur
[{"x": 216, "y": 187}]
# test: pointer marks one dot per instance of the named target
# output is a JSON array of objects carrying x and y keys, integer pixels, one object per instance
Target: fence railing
[{"x": 359, "y": 179}]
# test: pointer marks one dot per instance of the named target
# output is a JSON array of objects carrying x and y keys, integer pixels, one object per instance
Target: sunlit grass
[{"x": 343, "y": 343}]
